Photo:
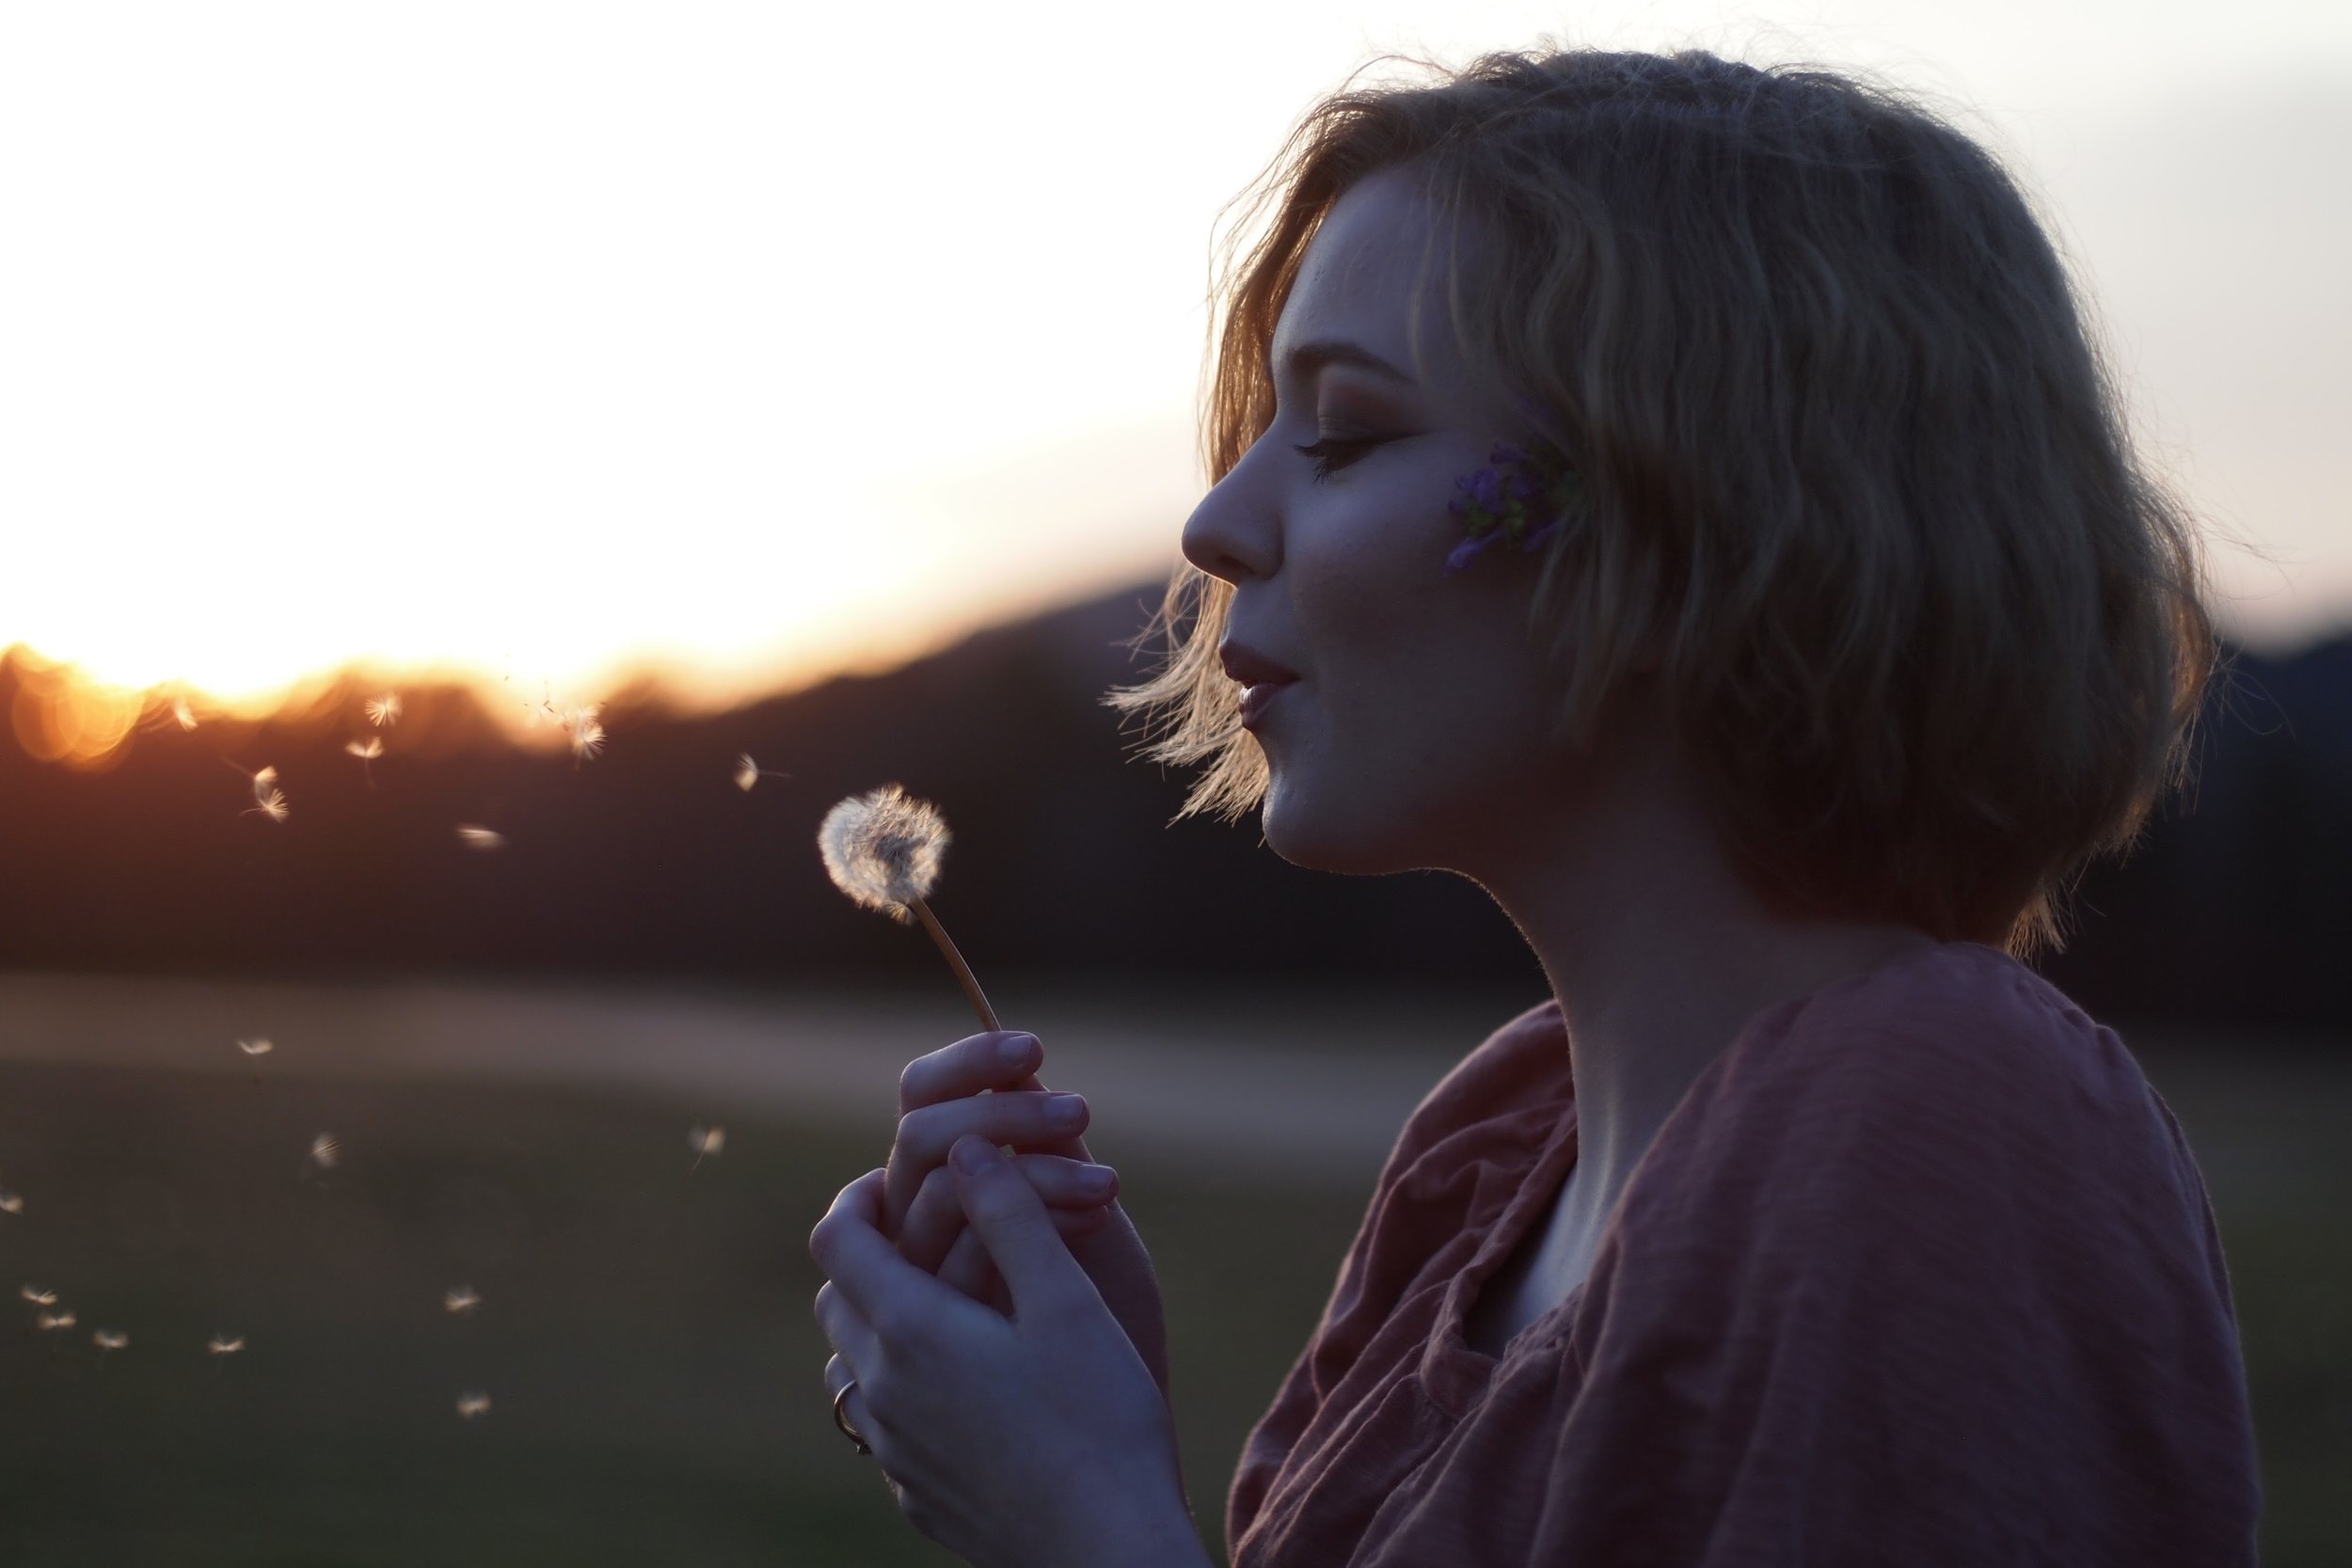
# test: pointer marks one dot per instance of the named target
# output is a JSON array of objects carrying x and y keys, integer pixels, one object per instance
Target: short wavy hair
[{"x": 1856, "y": 472}]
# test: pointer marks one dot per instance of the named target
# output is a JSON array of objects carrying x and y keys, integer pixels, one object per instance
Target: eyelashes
[{"x": 1332, "y": 452}]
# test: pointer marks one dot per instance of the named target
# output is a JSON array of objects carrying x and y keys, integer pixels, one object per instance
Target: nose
[{"x": 1236, "y": 532}]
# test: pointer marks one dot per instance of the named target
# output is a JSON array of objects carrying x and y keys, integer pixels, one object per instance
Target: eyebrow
[{"x": 1306, "y": 359}]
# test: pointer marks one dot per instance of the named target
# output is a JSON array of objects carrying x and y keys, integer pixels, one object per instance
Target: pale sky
[{"x": 750, "y": 342}]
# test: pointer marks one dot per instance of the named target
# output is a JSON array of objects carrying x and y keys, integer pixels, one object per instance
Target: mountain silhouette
[{"x": 649, "y": 860}]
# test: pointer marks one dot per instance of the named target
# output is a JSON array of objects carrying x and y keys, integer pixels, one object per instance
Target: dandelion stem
[{"x": 955, "y": 961}]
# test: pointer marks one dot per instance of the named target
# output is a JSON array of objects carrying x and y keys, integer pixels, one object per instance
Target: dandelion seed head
[
  {"x": 384, "y": 712},
  {"x": 707, "y": 1140},
  {"x": 256, "y": 1047},
  {"x": 183, "y": 713},
  {"x": 222, "y": 1344},
  {"x": 37, "y": 1296},
  {"x": 474, "y": 836},
  {"x": 883, "y": 849},
  {"x": 746, "y": 773},
  {"x": 11, "y": 1204},
  {"x": 274, "y": 806},
  {"x": 463, "y": 1299},
  {"x": 110, "y": 1339},
  {"x": 367, "y": 749},
  {"x": 472, "y": 1404},
  {"x": 325, "y": 1150}
]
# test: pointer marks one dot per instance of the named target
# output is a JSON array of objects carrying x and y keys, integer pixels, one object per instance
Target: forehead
[{"x": 1357, "y": 278}]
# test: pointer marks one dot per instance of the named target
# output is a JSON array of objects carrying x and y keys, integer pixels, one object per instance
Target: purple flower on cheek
[
  {"x": 1518, "y": 498},
  {"x": 1486, "y": 489}
]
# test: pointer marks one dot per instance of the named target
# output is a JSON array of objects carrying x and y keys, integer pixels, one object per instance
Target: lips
[
  {"x": 1248, "y": 666},
  {"x": 1254, "y": 700}
]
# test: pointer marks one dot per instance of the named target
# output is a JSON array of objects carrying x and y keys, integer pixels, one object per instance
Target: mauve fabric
[{"x": 1919, "y": 1271}]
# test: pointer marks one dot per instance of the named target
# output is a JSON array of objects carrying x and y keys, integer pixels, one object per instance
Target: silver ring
[{"x": 843, "y": 1421}]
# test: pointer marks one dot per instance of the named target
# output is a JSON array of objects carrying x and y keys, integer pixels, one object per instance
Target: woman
[{"x": 1684, "y": 499}]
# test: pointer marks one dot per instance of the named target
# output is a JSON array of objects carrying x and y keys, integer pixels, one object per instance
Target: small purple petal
[{"x": 1463, "y": 553}]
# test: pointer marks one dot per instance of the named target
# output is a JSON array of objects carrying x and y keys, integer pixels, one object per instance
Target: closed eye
[{"x": 1332, "y": 452}]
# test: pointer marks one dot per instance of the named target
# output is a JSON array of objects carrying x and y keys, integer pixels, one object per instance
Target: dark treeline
[{"x": 649, "y": 861}]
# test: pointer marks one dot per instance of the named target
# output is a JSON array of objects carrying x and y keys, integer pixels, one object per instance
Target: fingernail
[
  {"x": 1015, "y": 1049},
  {"x": 1063, "y": 1110},
  {"x": 1097, "y": 1179},
  {"x": 973, "y": 1154}
]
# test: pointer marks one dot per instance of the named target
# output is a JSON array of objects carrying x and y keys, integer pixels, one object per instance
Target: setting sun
[{"x": 535, "y": 345}]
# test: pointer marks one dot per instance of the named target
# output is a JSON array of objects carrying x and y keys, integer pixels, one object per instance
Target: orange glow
[{"x": 58, "y": 717}]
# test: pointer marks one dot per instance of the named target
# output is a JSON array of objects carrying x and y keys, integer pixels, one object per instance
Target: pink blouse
[{"x": 1919, "y": 1271}]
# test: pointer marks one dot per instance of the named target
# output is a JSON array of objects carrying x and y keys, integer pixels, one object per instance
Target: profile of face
[{"x": 1416, "y": 735}]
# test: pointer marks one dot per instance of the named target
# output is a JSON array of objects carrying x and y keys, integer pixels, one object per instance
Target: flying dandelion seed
[
  {"x": 474, "y": 836},
  {"x": 587, "y": 734},
  {"x": 463, "y": 1299},
  {"x": 256, "y": 1047},
  {"x": 37, "y": 1296},
  {"x": 384, "y": 712},
  {"x": 883, "y": 849},
  {"x": 268, "y": 799},
  {"x": 109, "y": 1338},
  {"x": 324, "y": 1150},
  {"x": 221, "y": 1344},
  {"x": 50, "y": 1321},
  {"x": 748, "y": 772},
  {"x": 704, "y": 1141},
  {"x": 185, "y": 714},
  {"x": 367, "y": 749},
  {"x": 471, "y": 1406},
  {"x": 11, "y": 1204}
]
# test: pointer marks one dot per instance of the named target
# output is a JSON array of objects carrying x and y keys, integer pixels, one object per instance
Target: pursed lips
[{"x": 1255, "y": 697}]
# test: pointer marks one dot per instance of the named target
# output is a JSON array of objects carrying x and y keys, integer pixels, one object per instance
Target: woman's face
[{"x": 1415, "y": 734}]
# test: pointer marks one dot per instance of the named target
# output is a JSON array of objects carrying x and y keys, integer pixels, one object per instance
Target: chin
[{"x": 1317, "y": 838}]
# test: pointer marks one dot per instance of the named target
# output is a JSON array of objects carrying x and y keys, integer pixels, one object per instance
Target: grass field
[{"x": 645, "y": 1336}]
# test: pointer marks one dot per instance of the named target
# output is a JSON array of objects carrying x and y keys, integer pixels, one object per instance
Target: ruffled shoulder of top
[{"x": 1519, "y": 1072}]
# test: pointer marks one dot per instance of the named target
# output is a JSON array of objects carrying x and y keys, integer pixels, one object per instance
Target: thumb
[{"x": 1013, "y": 1225}]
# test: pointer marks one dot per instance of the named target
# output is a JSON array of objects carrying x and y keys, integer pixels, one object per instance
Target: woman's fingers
[
  {"x": 1026, "y": 1118},
  {"x": 971, "y": 1065},
  {"x": 969, "y": 1268},
  {"x": 1073, "y": 1191}
]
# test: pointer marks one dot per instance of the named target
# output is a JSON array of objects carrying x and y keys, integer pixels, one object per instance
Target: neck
[{"x": 1657, "y": 953}]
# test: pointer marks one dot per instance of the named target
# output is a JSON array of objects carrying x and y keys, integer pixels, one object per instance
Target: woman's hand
[
  {"x": 985, "y": 1084},
  {"x": 947, "y": 1094},
  {"x": 1035, "y": 1440}
]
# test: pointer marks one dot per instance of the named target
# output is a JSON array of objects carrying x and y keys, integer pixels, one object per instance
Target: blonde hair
[{"x": 1855, "y": 472}]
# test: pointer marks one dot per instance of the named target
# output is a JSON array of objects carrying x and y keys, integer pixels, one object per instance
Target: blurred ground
[{"x": 645, "y": 1334}]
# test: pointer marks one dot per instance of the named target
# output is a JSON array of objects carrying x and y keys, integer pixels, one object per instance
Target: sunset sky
[{"x": 742, "y": 344}]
